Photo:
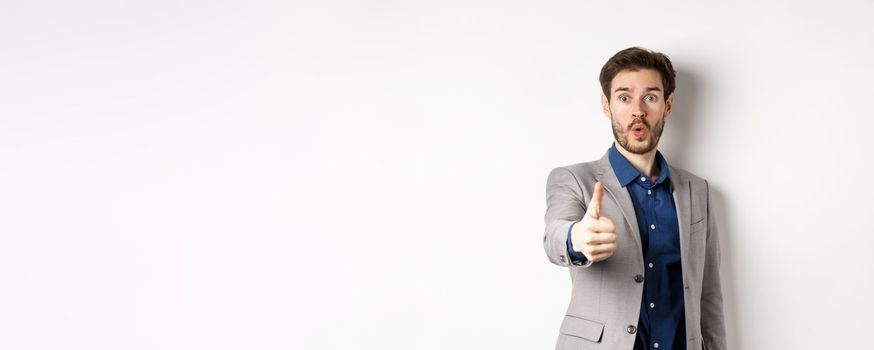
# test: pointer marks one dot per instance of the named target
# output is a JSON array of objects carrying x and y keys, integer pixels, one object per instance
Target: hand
[{"x": 595, "y": 235}]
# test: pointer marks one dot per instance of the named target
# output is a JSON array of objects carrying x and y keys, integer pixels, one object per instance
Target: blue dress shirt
[{"x": 662, "y": 321}]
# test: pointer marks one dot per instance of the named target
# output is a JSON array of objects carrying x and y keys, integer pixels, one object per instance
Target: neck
[{"x": 644, "y": 163}]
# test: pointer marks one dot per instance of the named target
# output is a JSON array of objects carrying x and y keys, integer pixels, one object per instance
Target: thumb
[{"x": 595, "y": 205}]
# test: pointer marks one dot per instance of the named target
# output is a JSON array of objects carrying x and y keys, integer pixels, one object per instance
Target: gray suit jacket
[{"x": 605, "y": 301}]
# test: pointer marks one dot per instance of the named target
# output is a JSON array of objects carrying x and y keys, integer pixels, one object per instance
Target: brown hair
[{"x": 634, "y": 59}]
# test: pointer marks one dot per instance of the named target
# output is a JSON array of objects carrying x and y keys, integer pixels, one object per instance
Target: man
[{"x": 638, "y": 235}]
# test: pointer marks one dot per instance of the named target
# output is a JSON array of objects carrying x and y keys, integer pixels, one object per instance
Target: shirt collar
[{"x": 626, "y": 173}]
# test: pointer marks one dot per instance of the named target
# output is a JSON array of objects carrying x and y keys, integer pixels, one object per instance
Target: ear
[
  {"x": 669, "y": 104},
  {"x": 605, "y": 106}
]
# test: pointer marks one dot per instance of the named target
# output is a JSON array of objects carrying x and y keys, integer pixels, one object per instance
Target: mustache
[{"x": 638, "y": 121}]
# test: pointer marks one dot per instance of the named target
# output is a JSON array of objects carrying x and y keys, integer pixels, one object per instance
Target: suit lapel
[
  {"x": 683, "y": 201},
  {"x": 620, "y": 195}
]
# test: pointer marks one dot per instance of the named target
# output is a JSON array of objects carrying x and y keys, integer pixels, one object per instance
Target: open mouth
[{"x": 639, "y": 130}]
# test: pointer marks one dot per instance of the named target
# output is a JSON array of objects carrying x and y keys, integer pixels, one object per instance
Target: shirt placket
[{"x": 652, "y": 275}]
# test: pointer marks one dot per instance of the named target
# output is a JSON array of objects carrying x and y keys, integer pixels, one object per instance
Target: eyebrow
[{"x": 651, "y": 88}]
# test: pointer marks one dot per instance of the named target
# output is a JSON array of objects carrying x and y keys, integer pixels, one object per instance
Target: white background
[{"x": 370, "y": 175}]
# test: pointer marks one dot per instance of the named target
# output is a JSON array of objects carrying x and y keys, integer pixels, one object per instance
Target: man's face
[{"x": 637, "y": 109}]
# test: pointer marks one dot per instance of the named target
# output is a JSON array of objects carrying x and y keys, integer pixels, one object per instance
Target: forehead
[{"x": 638, "y": 80}]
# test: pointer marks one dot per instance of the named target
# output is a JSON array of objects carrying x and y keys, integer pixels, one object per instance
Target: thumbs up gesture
[{"x": 595, "y": 235}]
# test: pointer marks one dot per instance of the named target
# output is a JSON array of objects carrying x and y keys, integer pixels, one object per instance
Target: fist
[{"x": 595, "y": 235}]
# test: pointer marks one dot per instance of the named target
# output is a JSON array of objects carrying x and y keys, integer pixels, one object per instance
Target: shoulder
[
  {"x": 584, "y": 170},
  {"x": 695, "y": 181}
]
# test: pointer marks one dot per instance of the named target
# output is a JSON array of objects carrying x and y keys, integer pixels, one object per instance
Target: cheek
[
  {"x": 655, "y": 110},
  {"x": 619, "y": 109}
]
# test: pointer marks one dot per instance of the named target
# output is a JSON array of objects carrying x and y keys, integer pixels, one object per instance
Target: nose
[{"x": 638, "y": 111}]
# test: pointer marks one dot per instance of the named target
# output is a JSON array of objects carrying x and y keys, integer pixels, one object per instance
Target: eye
[
  {"x": 623, "y": 98},
  {"x": 651, "y": 98}
]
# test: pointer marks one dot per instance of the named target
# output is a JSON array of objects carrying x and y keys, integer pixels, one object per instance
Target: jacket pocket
[
  {"x": 699, "y": 225},
  {"x": 582, "y": 328}
]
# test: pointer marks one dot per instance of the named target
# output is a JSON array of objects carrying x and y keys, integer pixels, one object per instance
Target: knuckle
[{"x": 593, "y": 249}]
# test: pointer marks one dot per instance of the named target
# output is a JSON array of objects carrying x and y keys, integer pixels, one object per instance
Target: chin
[{"x": 640, "y": 147}]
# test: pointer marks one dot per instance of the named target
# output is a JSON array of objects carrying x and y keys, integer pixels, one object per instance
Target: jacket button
[
  {"x": 638, "y": 278},
  {"x": 631, "y": 329}
]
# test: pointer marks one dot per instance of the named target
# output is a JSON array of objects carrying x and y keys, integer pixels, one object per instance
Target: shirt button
[
  {"x": 650, "y": 265},
  {"x": 655, "y": 345},
  {"x": 652, "y": 227},
  {"x": 631, "y": 329},
  {"x": 648, "y": 191},
  {"x": 642, "y": 178},
  {"x": 638, "y": 278},
  {"x": 652, "y": 305}
]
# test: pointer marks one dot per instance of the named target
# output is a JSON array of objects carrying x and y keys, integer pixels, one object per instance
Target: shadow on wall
[
  {"x": 727, "y": 269},
  {"x": 680, "y": 134},
  {"x": 680, "y": 129}
]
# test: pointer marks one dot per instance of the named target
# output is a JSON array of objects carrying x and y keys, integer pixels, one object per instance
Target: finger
[
  {"x": 601, "y": 225},
  {"x": 601, "y": 238},
  {"x": 595, "y": 204},
  {"x": 602, "y": 248},
  {"x": 600, "y": 257}
]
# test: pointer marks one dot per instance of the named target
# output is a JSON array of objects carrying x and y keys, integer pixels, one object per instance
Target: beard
[{"x": 646, "y": 144}]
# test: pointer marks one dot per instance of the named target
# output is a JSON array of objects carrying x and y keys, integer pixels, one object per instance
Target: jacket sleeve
[
  {"x": 712, "y": 318},
  {"x": 564, "y": 206}
]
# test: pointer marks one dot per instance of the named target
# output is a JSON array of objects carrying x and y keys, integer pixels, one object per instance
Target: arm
[
  {"x": 712, "y": 318},
  {"x": 564, "y": 207}
]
